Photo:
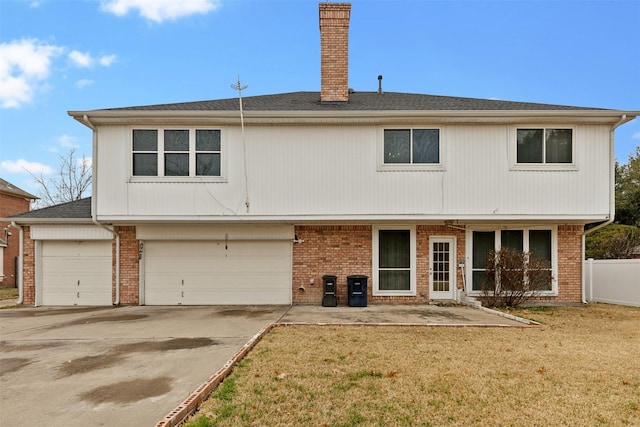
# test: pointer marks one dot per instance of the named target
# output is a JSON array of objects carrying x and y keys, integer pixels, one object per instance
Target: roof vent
[{"x": 380, "y": 84}]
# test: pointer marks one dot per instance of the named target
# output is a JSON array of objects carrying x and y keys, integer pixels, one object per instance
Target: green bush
[{"x": 615, "y": 241}]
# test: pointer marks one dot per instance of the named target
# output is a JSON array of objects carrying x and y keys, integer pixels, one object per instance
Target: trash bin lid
[
  {"x": 357, "y": 277},
  {"x": 328, "y": 277}
]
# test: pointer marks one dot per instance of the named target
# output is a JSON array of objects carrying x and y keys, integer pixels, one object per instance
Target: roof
[
  {"x": 8, "y": 188},
  {"x": 358, "y": 101},
  {"x": 76, "y": 210}
]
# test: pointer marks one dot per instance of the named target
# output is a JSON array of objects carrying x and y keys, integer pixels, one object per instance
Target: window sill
[
  {"x": 411, "y": 168},
  {"x": 538, "y": 294},
  {"x": 568, "y": 167},
  {"x": 177, "y": 180},
  {"x": 376, "y": 293}
]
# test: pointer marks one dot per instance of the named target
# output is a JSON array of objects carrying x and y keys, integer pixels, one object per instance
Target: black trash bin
[
  {"x": 329, "y": 298},
  {"x": 357, "y": 291}
]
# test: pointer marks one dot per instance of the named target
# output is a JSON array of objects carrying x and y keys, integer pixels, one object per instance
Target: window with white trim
[
  {"x": 544, "y": 146},
  {"x": 177, "y": 152},
  {"x": 539, "y": 241},
  {"x": 410, "y": 148},
  {"x": 394, "y": 257}
]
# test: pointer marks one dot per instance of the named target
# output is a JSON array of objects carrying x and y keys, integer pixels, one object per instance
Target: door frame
[{"x": 451, "y": 293}]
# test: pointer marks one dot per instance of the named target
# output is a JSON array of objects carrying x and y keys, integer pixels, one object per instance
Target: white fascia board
[
  {"x": 351, "y": 219},
  {"x": 139, "y": 117}
]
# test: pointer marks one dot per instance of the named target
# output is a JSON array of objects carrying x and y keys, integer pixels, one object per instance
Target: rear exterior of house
[{"x": 202, "y": 203}]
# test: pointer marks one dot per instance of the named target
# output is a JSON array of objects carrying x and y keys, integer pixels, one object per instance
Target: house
[
  {"x": 13, "y": 200},
  {"x": 210, "y": 203}
]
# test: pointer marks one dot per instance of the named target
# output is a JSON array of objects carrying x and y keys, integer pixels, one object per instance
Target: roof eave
[{"x": 119, "y": 117}]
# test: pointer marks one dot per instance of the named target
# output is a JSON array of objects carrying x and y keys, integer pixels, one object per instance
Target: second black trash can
[{"x": 357, "y": 291}]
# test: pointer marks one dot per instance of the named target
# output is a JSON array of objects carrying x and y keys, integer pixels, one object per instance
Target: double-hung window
[
  {"x": 544, "y": 146},
  {"x": 176, "y": 153},
  {"x": 394, "y": 250},
  {"x": 539, "y": 242},
  {"x": 410, "y": 148}
]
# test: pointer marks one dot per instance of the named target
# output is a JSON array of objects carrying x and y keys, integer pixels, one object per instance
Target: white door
[
  {"x": 217, "y": 272},
  {"x": 442, "y": 273},
  {"x": 76, "y": 272}
]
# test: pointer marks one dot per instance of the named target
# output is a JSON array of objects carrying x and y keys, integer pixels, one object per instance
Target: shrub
[
  {"x": 514, "y": 277},
  {"x": 615, "y": 241}
]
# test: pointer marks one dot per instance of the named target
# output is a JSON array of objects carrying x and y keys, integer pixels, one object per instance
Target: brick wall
[
  {"x": 347, "y": 250},
  {"x": 129, "y": 266},
  {"x": 11, "y": 205},
  {"x": 29, "y": 269}
]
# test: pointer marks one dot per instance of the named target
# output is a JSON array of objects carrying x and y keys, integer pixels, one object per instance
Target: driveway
[
  {"x": 134, "y": 365},
  {"x": 114, "y": 366}
]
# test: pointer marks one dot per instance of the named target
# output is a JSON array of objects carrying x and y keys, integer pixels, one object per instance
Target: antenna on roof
[{"x": 240, "y": 88}]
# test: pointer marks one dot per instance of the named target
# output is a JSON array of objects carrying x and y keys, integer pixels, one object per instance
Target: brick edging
[{"x": 191, "y": 403}]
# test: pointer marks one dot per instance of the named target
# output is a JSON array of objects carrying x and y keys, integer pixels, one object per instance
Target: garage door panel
[
  {"x": 76, "y": 273},
  {"x": 206, "y": 272}
]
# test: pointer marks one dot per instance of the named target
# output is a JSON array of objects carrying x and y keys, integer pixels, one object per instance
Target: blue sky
[{"x": 60, "y": 55}]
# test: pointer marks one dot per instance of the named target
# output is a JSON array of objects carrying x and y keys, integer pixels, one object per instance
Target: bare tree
[{"x": 71, "y": 181}]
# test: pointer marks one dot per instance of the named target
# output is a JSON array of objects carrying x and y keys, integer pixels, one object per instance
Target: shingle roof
[
  {"x": 8, "y": 188},
  {"x": 78, "y": 209},
  {"x": 358, "y": 101}
]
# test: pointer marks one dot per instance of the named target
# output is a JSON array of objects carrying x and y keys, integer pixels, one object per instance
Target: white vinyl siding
[
  {"x": 326, "y": 172},
  {"x": 217, "y": 272},
  {"x": 76, "y": 273}
]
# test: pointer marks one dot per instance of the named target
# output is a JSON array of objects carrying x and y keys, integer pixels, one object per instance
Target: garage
[
  {"x": 216, "y": 265},
  {"x": 217, "y": 272},
  {"x": 76, "y": 272}
]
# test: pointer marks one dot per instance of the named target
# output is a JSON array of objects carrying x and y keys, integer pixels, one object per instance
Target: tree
[
  {"x": 71, "y": 182},
  {"x": 615, "y": 241},
  {"x": 628, "y": 191}
]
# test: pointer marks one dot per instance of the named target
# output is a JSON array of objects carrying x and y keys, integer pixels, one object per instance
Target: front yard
[{"x": 582, "y": 367}]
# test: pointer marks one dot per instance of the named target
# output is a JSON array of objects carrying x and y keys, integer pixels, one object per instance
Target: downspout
[
  {"x": 20, "y": 263},
  {"x": 612, "y": 198},
  {"x": 94, "y": 199}
]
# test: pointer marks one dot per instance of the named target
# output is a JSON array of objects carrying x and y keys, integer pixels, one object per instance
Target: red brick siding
[
  {"x": 29, "y": 269},
  {"x": 129, "y": 266},
  {"x": 11, "y": 205},
  {"x": 334, "y": 51}
]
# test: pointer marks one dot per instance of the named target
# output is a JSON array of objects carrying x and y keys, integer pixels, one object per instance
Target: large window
[
  {"x": 177, "y": 152},
  {"x": 537, "y": 241},
  {"x": 413, "y": 148},
  {"x": 544, "y": 146},
  {"x": 394, "y": 261}
]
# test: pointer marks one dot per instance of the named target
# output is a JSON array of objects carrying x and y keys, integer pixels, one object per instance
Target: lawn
[{"x": 580, "y": 368}]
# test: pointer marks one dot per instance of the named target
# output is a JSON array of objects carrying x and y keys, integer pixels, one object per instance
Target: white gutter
[
  {"x": 94, "y": 198},
  {"x": 612, "y": 197},
  {"x": 20, "y": 263}
]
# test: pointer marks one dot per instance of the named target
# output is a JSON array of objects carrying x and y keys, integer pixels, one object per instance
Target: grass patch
[
  {"x": 580, "y": 368},
  {"x": 8, "y": 293}
]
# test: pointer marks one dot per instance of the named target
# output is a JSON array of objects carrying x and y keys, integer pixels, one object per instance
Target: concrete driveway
[
  {"x": 114, "y": 366},
  {"x": 134, "y": 365}
]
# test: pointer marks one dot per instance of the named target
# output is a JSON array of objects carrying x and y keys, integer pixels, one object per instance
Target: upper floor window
[
  {"x": 544, "y": 146},
  {"x": 413, "y": 148},
  {"x": 177, "y": 152}
]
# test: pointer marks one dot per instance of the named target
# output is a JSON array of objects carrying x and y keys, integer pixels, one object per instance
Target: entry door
[{"x": 442, "y": 271}]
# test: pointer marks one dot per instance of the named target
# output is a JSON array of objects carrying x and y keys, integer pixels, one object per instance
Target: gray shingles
[
  {"x": 358, "y": 101},
  {"x": 78, "y": 209}
]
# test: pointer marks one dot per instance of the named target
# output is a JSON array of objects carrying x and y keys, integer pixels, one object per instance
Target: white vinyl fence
[{"x": 615, "y": 281}]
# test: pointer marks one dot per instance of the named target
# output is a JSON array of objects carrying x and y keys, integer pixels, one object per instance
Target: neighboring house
[
  {"x": 191, "y": 207},
  {"x": 13, "y": 200}
]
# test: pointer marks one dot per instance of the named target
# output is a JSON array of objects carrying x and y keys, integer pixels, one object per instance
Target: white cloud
[
  {"x": 81, "y": 84},
  {"x": 635, "y": 135},
  {"x": 80, "y": 59},
  {"x": 23, "y": 166},
  {"x": 68, "y": 141},
  {"x": 24, "y": 65},
  {"x": 160, "y": 10},
  {"x": 107, "y": 60}
]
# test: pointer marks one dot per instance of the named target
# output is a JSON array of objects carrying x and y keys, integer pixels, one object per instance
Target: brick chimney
[{"x": 334, "y": 51}]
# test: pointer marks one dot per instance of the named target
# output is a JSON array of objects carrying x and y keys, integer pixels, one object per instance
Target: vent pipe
[{"x": 380, "y": 84}]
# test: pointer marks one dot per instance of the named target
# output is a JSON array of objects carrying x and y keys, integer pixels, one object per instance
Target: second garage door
[{"x": 217, "y": 272}]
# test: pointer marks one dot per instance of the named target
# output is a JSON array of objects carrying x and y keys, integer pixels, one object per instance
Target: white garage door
[
  {"x": 76, "y": 273},
  {"x": 217, "y": 272}
]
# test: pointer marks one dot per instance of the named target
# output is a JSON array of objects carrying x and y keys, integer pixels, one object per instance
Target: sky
[{"x": 68, "y": 55}]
